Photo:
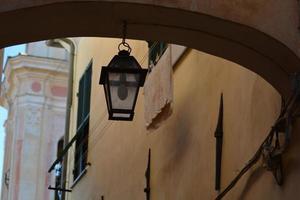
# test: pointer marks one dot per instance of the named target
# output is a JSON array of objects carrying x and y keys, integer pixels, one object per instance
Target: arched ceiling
[{"x": 261, "y": 35}]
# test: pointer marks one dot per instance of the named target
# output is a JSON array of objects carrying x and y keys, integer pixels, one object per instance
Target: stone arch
[{"x": 273, "y": 59}]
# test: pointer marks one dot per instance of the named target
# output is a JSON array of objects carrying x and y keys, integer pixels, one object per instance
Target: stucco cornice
[
  {"x": 26, "y": 66},
  {"x": 34, "y": 62}
]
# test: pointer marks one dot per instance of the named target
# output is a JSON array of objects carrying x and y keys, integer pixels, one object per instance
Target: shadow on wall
[
  {"x": 179, "y": 139},
  {"x": 179, "y": 144}
]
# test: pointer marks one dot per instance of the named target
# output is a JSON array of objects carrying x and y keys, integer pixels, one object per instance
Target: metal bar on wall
[
  {"x": 219, "y": 144},
  {"x": 147, "y": 175}
]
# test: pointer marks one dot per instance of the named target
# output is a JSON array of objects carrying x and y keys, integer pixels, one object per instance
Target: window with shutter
[
  {"x": 83, "y": 115},
  {"x": 156, "y": 50}
]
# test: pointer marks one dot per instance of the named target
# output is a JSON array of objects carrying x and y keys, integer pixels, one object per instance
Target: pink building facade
[{"x": 34, "y": 92}]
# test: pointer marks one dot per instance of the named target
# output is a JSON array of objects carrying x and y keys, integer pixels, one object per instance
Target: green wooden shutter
[
  {"x": 156, "y": 50},
  {"x": 87, "y": 92},
  {"x": 80, "y": 102},
  {"x": 84, "y": 96}
]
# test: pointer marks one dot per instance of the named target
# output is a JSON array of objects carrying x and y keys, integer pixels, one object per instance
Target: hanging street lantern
[{"x": 121, "y": 81}]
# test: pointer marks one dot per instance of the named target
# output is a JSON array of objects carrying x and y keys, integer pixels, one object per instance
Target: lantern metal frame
[{"x": 105, "y": 82}]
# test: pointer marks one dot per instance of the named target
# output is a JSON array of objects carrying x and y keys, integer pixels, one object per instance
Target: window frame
[{"x": 82, "y": 125}]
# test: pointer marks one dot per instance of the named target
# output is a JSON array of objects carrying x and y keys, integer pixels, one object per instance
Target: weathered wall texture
[{"x": 183, "y": 148}]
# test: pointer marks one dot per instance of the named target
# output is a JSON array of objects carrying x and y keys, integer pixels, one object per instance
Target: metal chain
[{"x": 124, "y": 43}]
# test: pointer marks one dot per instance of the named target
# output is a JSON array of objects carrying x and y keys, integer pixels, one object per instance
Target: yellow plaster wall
[{"x": 183, "y": 148}]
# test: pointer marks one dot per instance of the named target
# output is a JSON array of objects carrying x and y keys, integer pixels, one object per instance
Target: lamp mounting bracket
[{"x": 59, "y": 189}]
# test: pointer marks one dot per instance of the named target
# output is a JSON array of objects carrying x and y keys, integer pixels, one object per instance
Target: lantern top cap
[{"x": 124, "y": 53}]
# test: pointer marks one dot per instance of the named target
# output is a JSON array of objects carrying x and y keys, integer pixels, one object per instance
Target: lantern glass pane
[
  {"x": 123, "y": 89},
  {"x": 121, "y": 115},
  {"x": 106, "y": 90}
]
